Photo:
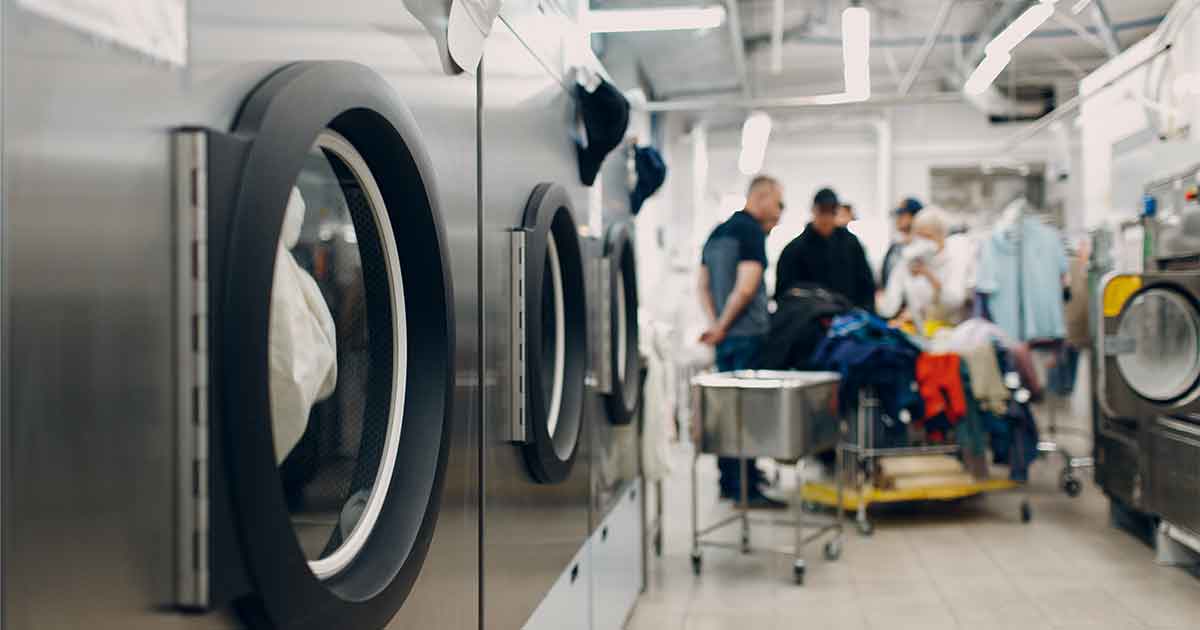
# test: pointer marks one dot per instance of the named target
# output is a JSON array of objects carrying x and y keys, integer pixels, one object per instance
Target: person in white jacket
[{"x": 935, "y": 279}]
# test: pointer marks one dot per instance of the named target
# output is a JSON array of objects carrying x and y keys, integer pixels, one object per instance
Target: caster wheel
[
  {"x": 798, "y": 574},
  {"x": 1072, "y": 487},
  {"x": 833, "y": 550},
  {"x": 866, "y": 528},
  {"x": 697, "y": 561},
  {"x": 1026, "y": 512},
  {"x": 745, "y": 544},
  {"x": 658, "y": 544}
]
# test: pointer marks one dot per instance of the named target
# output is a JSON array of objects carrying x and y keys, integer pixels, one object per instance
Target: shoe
[
  {"x": 756, "y": 501},
  {"x": 760, "y": 501}
]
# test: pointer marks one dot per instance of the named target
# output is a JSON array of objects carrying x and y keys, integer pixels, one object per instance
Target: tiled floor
[{"x": 969, "y": 566}]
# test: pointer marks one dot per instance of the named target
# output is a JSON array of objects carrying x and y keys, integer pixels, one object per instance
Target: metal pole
[{"x": 744, "y": 468}]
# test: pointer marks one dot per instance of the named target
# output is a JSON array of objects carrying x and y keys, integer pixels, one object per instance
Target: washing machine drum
[
  {"x": 1161, "y": 326},
  {"x": 551, "y": 334},
  {"x": 332, "y": 342},
  {"x": 624, "y": 358}
]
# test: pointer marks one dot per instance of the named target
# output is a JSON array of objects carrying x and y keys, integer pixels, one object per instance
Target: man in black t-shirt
[
  {"x": 734, "y": 297},
  {"x": 828, "y": 256}
]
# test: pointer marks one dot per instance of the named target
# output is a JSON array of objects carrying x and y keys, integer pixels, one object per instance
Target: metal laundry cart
[{"x": 783, "y": 415}]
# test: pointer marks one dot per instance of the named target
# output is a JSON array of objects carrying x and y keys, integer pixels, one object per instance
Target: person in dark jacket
[{"x": 827, "y": 256}]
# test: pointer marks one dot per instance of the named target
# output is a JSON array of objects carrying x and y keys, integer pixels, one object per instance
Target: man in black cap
[
  {"x": 828, "y": 256},
  {"x": 904, "y": 219}
]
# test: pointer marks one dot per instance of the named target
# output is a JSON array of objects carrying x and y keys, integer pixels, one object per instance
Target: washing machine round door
[
  {"x": 1164, "y": 362},
  {"x": 555, "y": 334},
  {"x": 337, "y": 344},
  {"x": 625, "y": 359}
]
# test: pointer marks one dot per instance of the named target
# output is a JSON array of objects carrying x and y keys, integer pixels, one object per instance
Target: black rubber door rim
[
  {"x": 548, "y": 220},
  {"x": 625, "y": 361},
  {"x": 282, "y": 119}
]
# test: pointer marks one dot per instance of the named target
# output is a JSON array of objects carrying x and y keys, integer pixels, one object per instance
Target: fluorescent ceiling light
[
  {"x": 756, "y": 131},
  {"x": 1020, "y": 28},
  {"x": 856, "y": 52},
  {"x": 667, "y": 19},
  {"x": 986, "y": 73}
]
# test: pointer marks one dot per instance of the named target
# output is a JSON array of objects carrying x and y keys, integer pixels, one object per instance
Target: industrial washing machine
[
  {"x": 240, "y": 300},
  {"x": 536, "y": 564},
  {"x": 1151, "y": 350},
  {"x": 616, "y": 533}
]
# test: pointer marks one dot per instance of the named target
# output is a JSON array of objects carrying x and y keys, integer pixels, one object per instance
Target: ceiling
[{"x": 698, "y": 64}]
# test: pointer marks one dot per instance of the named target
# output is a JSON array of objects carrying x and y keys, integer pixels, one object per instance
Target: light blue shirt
[{"x": 1043, "y": 263}]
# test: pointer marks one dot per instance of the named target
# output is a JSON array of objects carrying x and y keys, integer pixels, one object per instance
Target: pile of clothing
[{"x": 950, "y": 389}]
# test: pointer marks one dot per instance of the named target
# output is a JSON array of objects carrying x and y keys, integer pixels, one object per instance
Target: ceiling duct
[{"x": 1000, "y": 107}]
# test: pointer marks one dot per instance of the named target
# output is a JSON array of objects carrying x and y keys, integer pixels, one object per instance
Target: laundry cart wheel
[
  {"x": 798, "y": 570},
  {"x": 833, "y": 550},
  {"x": 1026, "y": 512},
  {"x": 697, "y": 562},
  {"x": 1072, "y": 486}
]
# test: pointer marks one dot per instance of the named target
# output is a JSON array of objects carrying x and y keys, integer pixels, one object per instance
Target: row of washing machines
[
  {"x": 1147, "y": 370},
  {"x": 310, "y": 333}
]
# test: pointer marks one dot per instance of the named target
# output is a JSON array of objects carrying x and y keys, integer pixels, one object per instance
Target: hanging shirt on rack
[{"x": 1028, "y": 306}]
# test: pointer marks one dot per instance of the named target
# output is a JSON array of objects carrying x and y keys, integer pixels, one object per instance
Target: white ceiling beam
[{"x": 918, "y": 64}]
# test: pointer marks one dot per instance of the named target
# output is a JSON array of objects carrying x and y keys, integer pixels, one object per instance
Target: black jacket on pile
[
  {"x": 837, "y": 263},
  {"x": 799, "y": 324}
]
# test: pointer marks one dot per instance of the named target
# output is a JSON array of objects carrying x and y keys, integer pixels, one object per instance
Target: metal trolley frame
[
  {"x": 864, "y": 452},
  {"x": 821, "y": 526}
]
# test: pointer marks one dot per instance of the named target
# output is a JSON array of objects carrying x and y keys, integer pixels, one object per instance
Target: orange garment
[{"x": 939, "y": 379}]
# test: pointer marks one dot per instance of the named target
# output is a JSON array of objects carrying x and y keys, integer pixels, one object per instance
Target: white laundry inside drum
[
  {"x": 1164, "y": 363},
  {"x": 553, "y": 335},
  {"x": 341, "y": 447}
]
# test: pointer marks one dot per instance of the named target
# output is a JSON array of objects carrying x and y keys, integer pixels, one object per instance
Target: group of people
[{"x": 926, "y": 277}]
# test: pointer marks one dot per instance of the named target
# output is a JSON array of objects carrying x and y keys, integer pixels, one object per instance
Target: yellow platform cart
[{"x": 856, "y": 464}]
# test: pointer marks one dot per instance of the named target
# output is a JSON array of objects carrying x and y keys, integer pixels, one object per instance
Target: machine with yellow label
[{"x": 1149, "y": 386}]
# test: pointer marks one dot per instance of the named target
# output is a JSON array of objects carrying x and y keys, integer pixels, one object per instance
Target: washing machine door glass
[
  {"x": 1165, "y": 329},
  {"x": 553, "y": 329},
  {"x": 337, "y": 364}
]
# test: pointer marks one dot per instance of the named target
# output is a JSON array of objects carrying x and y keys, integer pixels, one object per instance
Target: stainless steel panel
[
  {"x": 565, "y": 606},
  {"x": 1175, "y": 464},
  {"x": 616, "y": 548},
  {"x": 88, "y": 281},
  {"x": 785, "y": 415},
  {"x": 614, "y": 449},
  {"x": 531, "y": 531}
]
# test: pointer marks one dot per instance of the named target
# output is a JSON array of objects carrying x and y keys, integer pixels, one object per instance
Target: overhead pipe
[
  {"x": 885, "y": 161},
  {"x": 776, "y": 39},
  {"x": 1165, "y": 35},
  {"x": 927, "y": 47},
  {"x": 737, "y": 42},
  {"x": 1105, "y": 27},
  {"x": 992, "y": 101},
  {"x": 798, "y": 102},
  {"x": 1081, "y": 32}
]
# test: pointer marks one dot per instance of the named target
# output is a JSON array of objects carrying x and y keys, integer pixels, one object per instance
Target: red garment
[{"x": 939, "y": 378}]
